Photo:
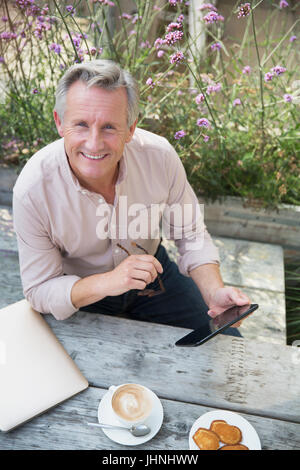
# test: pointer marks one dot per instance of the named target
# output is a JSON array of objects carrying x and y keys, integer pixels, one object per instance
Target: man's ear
[
  {"x": 131, "y": 131},
  {"x": 58, "y": 123}
]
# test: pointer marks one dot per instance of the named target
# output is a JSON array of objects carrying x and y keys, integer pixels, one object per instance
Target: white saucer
[
  {"x": 105, "y": 415},
  {"x": 250, "y": 436}
]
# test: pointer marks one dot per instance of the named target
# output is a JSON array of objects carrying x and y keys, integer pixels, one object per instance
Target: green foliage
[{"x": 250, "y": 144}]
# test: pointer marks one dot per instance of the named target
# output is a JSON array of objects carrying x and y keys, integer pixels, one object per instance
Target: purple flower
[
  {"x": 173, "y": 37},
  {"x": 173, "y": 3},
  {"x": 246, "y": 70},
  {"x": 203, "y": 122},
  {"x": 213, "y": 88},
  {"x": 269, "y": 76},
  {"x": 216, "y": 46},
  {"x": 244, "y": 10},
  {"x": 4, "y": 18},
  {"x": 150, "y": 82},
  {"x": 76, "y": 41},
  {"x": 24, "y": 3},
  {"x": 278, "y": 70},
  {"x": 211, "y": 17},
  {"x": 160, "y": 53},
  {"x": 180, "y": 19},
  {"x": 126, "y": 16},
  {"x": 70, "y": 9},
  {"x": 93, "y": 51},
  {"x": 35, "y": 91},
  {"x": 145, "y": 44},
  {"x": 8, "y": 35},
  {"x": 173, "y": 26},
  {"x": 283, "y": 4},
  {"x": 158, "y": 42},
  {"x": 176, "y": 58},
  {"x": 207, "y": 6},
  {"x": 205, "y": 138},
  {"x": 287, "y": 98},
  {"x": 199, "y": 98},
  {"x": 237, "y": 102},
  {"x": 179, "y": 134},
  {"x": 293, "y": 38},
  {"x": 55, "y": 47},
  {"x": 2, "y": 60}
]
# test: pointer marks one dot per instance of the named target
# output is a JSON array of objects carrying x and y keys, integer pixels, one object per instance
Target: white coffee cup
[{"x": 131, "y": 403}]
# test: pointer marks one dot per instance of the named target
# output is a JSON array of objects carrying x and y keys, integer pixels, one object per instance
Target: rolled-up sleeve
[
  {"x": 45, "y": 286},
  {"x": 189, "y": 232}
]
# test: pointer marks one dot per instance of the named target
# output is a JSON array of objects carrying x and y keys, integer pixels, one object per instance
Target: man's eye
[
  {"x": 82, "y": 124},
  {"x": 108, "y": 126}
]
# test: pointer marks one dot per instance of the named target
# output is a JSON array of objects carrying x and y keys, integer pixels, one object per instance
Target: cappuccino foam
[{"x": 131, "y": 402}]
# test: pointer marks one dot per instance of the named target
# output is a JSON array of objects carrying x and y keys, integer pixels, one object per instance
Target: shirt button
[
  {"x": 100, "y": 199},
  {"x": 117, "y": 250},
  {"x": 83, "y": 192}
]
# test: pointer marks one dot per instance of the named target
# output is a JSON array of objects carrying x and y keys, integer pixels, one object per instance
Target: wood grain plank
[
  {"x": 231, "y": 373},
  {"x": 64, "y": 428}
]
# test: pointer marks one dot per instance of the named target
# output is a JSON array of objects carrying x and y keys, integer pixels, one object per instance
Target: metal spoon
[{"x": 137, "y": 430}]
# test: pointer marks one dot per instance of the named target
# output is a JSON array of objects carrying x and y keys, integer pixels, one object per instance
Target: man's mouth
[{"x": 94, "y": 157}]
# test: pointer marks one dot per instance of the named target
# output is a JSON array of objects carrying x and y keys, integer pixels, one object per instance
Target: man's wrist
[
  {"x": 89, "y": 290},
  {"x": 208, "y": 279}
]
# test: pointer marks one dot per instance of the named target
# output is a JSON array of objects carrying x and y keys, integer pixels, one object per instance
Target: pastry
[
  {"x": 227, "y": 433},
  {"x": 206, "y": 439},
  {"x": 236, "y": 447}
]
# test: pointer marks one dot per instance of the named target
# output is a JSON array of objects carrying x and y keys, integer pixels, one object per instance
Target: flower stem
[
  {"x": 67, "y": 28},
  {"x": 260, "y": 81}
]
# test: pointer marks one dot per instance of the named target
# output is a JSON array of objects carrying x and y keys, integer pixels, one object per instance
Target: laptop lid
[{"x": 36, "y": 373}]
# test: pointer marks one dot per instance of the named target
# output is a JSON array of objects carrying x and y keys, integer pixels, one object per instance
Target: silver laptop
[{"x": 36, "y": 373}]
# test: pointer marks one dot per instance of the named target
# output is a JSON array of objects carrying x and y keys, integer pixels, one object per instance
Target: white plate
[
  {"x": 105, "y": 415},
  {"x": 250, "y": 436}
]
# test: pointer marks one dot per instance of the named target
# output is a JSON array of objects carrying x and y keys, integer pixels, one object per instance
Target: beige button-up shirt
[{"x": 66, "y": 232}]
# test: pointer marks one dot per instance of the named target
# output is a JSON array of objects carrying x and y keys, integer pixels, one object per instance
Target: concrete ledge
[{"x": 232, "y": 218}]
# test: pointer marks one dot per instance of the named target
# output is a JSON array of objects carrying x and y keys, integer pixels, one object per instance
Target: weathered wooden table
[{"x": 261, "y": 381}]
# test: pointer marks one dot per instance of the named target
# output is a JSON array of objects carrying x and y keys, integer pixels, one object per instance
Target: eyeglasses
[{"x": 146, "y": 292}]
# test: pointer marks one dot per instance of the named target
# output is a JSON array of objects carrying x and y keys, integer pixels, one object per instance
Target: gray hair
[{"x": 104, "y": 74}]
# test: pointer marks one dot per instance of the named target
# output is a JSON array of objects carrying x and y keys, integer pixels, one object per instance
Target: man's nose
[{"x": 95, "y": 140}]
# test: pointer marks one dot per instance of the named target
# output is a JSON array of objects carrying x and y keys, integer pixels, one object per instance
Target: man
[{"x": 66, "y": 261}]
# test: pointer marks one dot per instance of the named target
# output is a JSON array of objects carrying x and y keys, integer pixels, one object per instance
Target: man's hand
[
  {"x": 224, "y": 298},
  {"x": 135, "y": 272}
]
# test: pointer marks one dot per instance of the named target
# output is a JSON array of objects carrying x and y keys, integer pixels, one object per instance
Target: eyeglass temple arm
[{"x": 124, "y": 249}]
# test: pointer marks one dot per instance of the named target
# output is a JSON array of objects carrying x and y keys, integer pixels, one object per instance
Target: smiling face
[{"x": 95, "y": 131}]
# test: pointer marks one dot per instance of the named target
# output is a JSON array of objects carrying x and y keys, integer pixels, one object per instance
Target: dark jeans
[{"x": 181, "y": 305}]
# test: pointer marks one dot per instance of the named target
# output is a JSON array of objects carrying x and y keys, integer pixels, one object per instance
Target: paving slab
[
  {"x": 7, "y": 235},
  {"x": 268, "y": 323},
  {"x": 251, "y": 264},
  {"x": 246, "y": 263}
]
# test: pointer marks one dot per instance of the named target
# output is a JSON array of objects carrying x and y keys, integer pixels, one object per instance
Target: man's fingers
[
  {"x": 147, "y": 267},
  {"x": 239, "y": 298},
  {"x": 141, "y": 275},
  {"x": 150, "y": 259}
]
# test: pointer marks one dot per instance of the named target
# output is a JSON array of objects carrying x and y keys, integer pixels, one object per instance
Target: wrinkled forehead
[{"x": 95, "y": 100}]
